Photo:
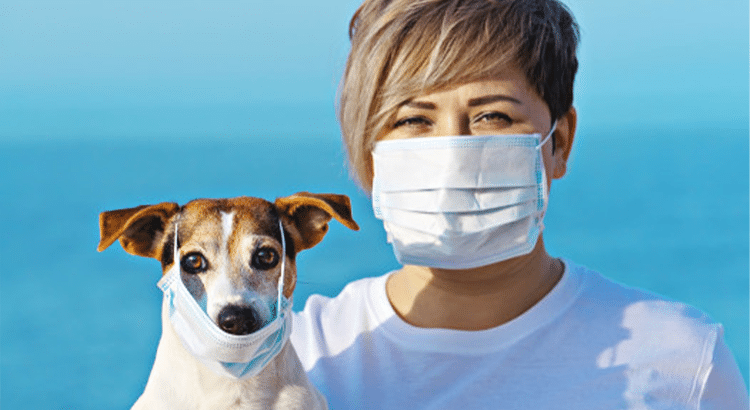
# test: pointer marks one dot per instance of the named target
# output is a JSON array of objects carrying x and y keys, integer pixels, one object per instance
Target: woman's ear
[{"x": 563, "y": 135}]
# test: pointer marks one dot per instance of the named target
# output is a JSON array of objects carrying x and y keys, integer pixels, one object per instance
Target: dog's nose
[{"x": 239, "y": 320}]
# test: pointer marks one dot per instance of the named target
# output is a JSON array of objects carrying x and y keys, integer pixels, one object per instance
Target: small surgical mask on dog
[
  {"x": 460, "y": 202},
  {"x": 238, "y": 357}
]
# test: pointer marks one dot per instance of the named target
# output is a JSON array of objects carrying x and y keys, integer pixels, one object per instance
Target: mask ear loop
[
  {"x": 283, "y": 270},
  {"x": 174, "y": 252},
  {"x": 545, "y": 139},
  {"x": 543, "y": 175}
]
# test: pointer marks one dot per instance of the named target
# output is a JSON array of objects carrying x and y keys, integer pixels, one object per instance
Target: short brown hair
[{"x": 404, "y": 48}]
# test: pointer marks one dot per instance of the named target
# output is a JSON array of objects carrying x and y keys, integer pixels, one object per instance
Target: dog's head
[{"x": 230, "y": 249}]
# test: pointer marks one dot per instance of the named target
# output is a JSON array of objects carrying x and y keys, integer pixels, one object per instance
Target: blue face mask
[{"x": 238, "y": 357}]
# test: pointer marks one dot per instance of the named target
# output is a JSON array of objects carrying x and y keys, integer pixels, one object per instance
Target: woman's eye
[
  {"x": 493, "y": 117},
  {"x": 194, "y": 263},
  {"x": 265, "y": 258},
  {"x": 411, "y": 122}
]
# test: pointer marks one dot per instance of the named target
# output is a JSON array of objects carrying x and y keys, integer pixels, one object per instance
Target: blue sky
[{"x": 137, "y": 69}]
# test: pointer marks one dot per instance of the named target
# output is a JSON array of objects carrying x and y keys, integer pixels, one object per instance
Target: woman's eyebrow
[
  {"x": 474, "y": 102},
  {"x": 419, "y": 104}
]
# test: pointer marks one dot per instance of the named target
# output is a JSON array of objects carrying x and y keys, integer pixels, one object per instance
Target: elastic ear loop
[
  {"x": 283, "y": 270},
  {"x": 544, "y": 188},
  {"x": 551, "y": 131},
  {"x": 176, "y": 226}
]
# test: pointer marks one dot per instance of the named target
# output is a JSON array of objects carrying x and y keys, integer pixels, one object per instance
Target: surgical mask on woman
[{"x": 460, "y": 202}]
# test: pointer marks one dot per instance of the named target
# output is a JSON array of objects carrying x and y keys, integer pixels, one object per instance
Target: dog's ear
[
  {"x": 139, "y": 229},
  {"x": 309, "y": 215}
]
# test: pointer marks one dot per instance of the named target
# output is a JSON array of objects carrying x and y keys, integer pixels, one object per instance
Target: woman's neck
[{"x": 473, "y": 299}]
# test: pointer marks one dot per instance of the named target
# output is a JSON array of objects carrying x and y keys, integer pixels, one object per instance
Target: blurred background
[{"x": 112, "y": 104}]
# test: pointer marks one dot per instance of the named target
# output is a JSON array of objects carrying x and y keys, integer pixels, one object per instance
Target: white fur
[{"x": 227, "y": 220}]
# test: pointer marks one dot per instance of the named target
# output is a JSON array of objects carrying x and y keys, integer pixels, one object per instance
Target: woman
[{"x": 457, "y": 115}]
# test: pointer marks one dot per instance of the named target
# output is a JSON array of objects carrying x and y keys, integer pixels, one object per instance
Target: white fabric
[
  {"x": 589, "y": 344},
  {"x": 442, "y": 199},
  {"x": 459, "y": 224},
  {"x": 239, "y": 357},
  {"x": 457, "y": 162},
  {"x": 456, "y": 199},
  {"x": 422, "y": 249}
]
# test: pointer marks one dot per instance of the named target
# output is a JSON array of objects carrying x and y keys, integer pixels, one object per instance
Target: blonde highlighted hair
[{"x": 404, "y": 48}]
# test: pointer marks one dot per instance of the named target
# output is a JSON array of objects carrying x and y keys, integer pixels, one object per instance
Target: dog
[{"x": 230, "y": 250}]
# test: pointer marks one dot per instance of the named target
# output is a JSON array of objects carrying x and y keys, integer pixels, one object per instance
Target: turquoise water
[{"x": 662, "y": 210}]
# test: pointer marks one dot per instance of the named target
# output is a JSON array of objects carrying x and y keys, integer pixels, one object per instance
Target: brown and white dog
[{"x": 233, "y": 246}]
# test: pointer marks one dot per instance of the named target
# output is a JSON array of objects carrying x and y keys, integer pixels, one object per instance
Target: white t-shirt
[{"x": 589, "y": 344}]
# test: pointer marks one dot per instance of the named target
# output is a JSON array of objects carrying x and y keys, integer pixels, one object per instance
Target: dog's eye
[
  {"x": 265, "y": 258},
  {"x": 194, "y": 263}
]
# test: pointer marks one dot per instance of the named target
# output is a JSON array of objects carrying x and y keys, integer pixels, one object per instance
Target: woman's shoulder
[
  {"x": 641, "y": 326},
  {"x": 633, "y": 307},
  {"x": 659, "y": 340}
]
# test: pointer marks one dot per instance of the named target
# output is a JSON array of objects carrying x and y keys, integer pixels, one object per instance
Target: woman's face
[{"x": 505, "y": 105}]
